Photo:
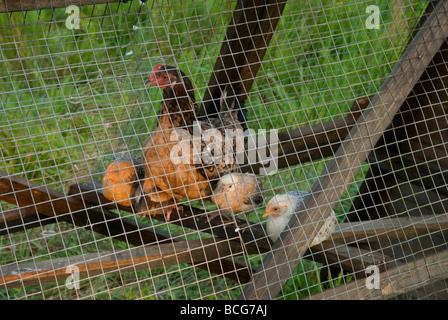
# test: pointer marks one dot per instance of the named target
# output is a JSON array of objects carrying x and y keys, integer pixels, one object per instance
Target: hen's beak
[{"x": 152, "y": 80}]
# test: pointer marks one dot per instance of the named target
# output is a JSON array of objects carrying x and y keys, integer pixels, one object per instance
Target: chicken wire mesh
[{"x": 74, "y": 100}]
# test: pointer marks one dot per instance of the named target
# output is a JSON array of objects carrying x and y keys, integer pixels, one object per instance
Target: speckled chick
[
  {"x": 237, "y": 192},
  {"x": 280, "y": 210}
]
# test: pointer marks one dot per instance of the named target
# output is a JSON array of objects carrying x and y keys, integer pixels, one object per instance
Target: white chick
[{"x": 280, "y": 210}]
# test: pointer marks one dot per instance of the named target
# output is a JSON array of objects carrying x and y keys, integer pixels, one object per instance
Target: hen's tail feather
[{"x": 230, "y": 101}]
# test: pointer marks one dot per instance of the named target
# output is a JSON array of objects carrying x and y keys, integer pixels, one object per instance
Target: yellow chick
[{"x": 121, "y": 180}]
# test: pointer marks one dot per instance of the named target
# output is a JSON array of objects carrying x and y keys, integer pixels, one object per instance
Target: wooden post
[
  {"x": 247, "y": 39},
  {"x": 288, "y": 250}
]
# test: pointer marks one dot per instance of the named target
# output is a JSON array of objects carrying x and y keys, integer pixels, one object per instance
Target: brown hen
[{"x": 168, "y": 179}]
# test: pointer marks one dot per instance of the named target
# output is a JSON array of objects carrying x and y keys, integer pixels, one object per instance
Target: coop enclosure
[{"x": 350, "y": 97}]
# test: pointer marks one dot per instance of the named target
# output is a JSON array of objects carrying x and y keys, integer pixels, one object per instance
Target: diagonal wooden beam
[
  {"x": 35, "y": 199},
  {"x": 289, "y": 249},
  {"x": 255, "y": 239},
  {"x": 20, "y": 220},
  {"x": 247, "y": 39},
  {"x": 42, "y": 200}
]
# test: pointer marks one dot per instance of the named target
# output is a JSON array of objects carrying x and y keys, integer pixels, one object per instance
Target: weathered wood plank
[
  {"x": 40, "y": 199},
  {"x": 34, "y": 198},
  {"x": 19, "y": 220},
  {"x": 198, "y": 253},
  {"x": 390, "y": 228},
  {"x": 348, "y": 258},
  {"x": 394, "y": 281},
  {"x": 340, "y": 171}
]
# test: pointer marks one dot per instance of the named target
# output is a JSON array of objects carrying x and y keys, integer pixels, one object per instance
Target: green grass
[{"x": 71, "y": 98}]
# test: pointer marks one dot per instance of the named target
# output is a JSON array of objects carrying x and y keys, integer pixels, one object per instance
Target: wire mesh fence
[{"x": 99, "y": 201}]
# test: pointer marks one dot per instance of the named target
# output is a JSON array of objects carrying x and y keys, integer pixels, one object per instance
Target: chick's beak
[{"x": 268, "y": 212}]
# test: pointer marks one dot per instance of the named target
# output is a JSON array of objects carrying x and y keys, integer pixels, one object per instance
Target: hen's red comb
[
  {"x": 152, "y": 78},
  {"x": 158, "y": 67}
]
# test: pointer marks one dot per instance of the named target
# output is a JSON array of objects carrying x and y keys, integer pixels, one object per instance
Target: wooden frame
[
  {"x": 395, "y": 281},
  {"x": 200, "y": 253}
]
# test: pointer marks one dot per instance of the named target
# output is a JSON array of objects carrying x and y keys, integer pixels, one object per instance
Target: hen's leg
[{"x": 176, "y": 206}]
